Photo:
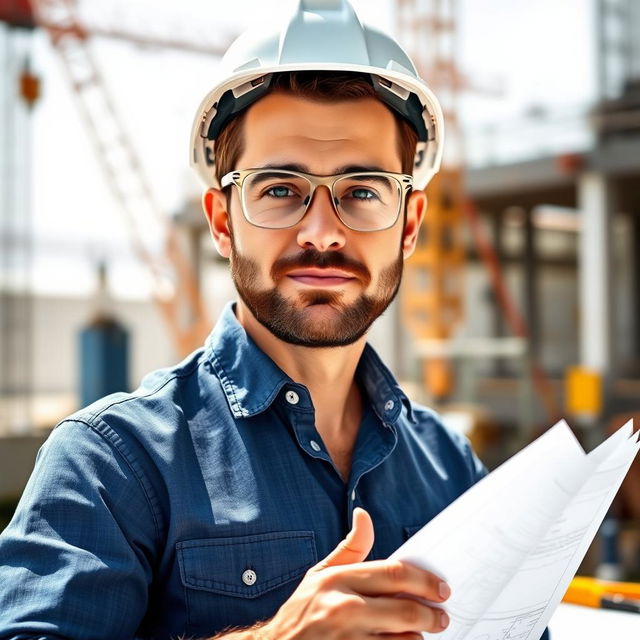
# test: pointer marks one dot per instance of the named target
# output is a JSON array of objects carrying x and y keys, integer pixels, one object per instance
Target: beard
[{"x": 295, "y": 321}]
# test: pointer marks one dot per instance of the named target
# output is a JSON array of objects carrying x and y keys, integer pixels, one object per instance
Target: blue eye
[
  {"x": 279, "y": 192},
  {"x": 363, "y": 194}
]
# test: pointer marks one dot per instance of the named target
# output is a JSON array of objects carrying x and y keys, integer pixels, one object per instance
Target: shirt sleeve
[
  {"x": 477, "y": 469},
  {"x": 76, "y": 559}
]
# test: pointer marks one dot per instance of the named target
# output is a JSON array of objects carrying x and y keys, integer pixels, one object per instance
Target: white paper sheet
[{"x": 511, "y": 544}]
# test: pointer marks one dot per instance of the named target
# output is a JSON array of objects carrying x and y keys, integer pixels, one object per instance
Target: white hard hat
[{"x": 322, "y": 35}]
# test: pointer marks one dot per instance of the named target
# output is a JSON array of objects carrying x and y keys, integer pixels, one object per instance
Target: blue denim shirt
[{"x": 198, "y": 501}]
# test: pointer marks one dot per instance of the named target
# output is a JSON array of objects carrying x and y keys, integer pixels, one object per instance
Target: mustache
[{"x": 322, "y": 259}]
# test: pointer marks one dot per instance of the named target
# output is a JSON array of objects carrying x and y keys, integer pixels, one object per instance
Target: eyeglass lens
[{"x": 278, "y": 199}]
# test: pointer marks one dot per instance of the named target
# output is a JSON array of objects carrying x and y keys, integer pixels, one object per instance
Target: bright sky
[{"x": 541, "y": 52}]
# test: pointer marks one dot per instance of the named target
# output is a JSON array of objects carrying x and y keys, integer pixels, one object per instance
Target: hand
[{"x": 343, "y": 597}]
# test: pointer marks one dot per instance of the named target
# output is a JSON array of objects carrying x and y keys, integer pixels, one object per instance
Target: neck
[{"x": 328, "y": 373}]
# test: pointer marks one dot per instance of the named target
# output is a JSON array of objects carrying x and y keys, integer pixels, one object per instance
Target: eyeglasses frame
[{"x": 238, "y": 177}]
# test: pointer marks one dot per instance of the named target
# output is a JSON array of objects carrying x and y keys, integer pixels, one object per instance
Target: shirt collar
[
  {"x": 251, "y": 380},
  {"x": 385, "y": 394}
]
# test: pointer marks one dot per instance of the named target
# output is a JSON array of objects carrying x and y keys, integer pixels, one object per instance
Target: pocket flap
[{"x": 246, "y": 566}]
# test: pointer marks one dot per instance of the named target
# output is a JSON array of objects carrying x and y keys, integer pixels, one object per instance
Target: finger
[
  {"x": 403, "y": 615},
  {"x": 355, "y": 547},
  {"x": 390, "y": 577},
  {"x": 397, "y": 636}
]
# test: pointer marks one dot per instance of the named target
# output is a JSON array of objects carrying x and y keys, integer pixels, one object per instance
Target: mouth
[{"x": 321, "y": 277}]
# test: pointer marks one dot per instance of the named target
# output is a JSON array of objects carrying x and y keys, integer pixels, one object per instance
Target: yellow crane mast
[{"x": 433, "y": 289}]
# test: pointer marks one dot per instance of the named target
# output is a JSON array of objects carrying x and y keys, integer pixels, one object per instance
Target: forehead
[{"x": 323, "y": 136}]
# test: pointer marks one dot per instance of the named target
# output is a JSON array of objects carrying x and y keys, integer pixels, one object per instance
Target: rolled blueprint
[{"x": 511, "y": 544}]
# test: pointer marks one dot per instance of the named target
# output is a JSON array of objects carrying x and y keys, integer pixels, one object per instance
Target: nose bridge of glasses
[{"x": 316, "y": 182}]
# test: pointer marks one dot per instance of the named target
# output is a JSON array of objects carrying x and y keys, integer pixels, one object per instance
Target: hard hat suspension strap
[
  {"x": 230, "y": 104},
  {"x": 402, "y": 101}
]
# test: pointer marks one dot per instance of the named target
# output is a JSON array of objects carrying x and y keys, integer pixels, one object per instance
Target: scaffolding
[{"x": 433, "y": 288}]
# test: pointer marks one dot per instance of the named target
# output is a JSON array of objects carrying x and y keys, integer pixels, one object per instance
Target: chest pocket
[{"x": 239, "y": 580}]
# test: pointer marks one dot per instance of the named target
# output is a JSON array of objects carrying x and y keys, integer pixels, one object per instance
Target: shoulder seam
[
  {"x": 130, "y": 396},
  {"x": 118, "y": 444}
]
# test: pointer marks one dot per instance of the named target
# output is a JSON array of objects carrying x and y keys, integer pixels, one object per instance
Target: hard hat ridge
[
  {"x": 322, "y": 5},
  {"x": 329, "y": 31}
]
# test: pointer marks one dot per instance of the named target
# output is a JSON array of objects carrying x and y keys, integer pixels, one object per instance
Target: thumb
[{"x": 356, "y": 546}]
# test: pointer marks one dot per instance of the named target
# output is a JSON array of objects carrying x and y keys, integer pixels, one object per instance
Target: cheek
[
  {"x": 386, "y": 249},
  {"x": 261, "y": 246},
  {"x": 381, "y": 263}
]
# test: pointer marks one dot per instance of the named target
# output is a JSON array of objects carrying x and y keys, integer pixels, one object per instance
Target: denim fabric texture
[{"x": 198, "y": 501}]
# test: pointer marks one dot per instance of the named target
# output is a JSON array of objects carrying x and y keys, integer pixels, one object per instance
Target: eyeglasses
[{"x": 277, "y": 198}]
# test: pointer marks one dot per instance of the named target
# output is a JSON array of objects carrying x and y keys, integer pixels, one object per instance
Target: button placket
[{"x": 306, "y": 434}]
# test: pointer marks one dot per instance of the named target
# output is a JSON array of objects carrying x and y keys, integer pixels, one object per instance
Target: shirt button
[
  {"x": 249, "y": 577},
  {"x": 389, "y": 404},
  {"x": 314, "y": 445},
  {"x": 353, "y": 495},
  {"x": 292, "y": 397}
]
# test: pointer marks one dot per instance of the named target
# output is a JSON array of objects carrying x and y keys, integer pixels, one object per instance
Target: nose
[{"x": 321, "y": 228}]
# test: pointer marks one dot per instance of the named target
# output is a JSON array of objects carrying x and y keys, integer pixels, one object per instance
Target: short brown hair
[{"x": 324, "y": 86}]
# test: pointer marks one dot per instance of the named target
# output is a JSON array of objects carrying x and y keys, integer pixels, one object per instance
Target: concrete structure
[{"x": 598, "y": 185}]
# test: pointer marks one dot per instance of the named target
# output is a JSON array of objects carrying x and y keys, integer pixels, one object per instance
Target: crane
[{"x": 174, "y": 283}]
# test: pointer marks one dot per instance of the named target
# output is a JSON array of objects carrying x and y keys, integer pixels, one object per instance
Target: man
[{"x": 240, "y": 492}]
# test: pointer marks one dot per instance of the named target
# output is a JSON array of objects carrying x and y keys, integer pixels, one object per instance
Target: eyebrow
[{"x": 302, "y": 168}]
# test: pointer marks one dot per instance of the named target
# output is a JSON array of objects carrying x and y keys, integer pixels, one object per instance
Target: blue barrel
[{"x": 104, "y": 359}]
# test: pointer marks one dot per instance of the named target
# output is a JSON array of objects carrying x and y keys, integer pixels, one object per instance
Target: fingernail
[
  {"x": 444, "y": 619},
  {"x": 444, "y": 590}
]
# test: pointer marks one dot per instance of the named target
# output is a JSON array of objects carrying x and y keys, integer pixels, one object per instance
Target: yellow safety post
[{"x": 583, "y": 391}]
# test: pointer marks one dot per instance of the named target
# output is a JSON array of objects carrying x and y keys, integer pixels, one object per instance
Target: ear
[
  {"x": 214, "y": 203},
  {"x": 416, "y": 209}
]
